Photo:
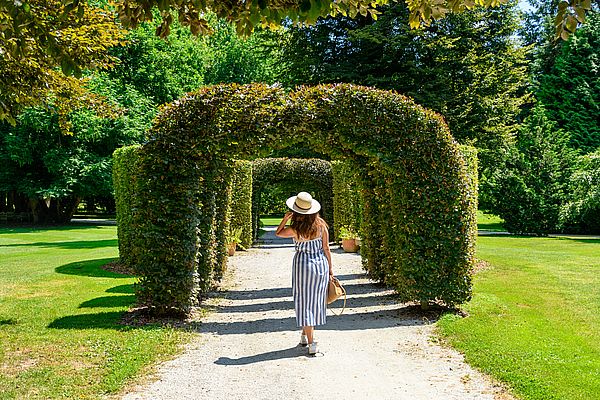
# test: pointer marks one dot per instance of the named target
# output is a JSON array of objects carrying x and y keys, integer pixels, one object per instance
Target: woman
[{"x": 312, "y": 267}]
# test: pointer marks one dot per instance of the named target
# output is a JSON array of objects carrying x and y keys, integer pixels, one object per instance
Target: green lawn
[
  {"x": 59, "y": 313},
  {"x": 535, "y": 317},
  {"x": 489, "y": 222},
  {"x": 271, "y": 220}
]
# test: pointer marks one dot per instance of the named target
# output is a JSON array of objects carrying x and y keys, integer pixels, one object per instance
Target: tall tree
[
  {"x": 532, "y": 185},
  {"x": 570, "y": 89},
  {"x": 468, "y": 66}
]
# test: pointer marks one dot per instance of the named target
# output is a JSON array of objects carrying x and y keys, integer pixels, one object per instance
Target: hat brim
[{"x": 291, "y": 203}]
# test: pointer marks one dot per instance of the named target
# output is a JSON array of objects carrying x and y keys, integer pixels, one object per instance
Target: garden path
[{"x": 247, "y": 348}]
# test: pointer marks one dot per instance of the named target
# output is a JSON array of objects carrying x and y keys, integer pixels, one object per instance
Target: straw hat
[{"x": 303, "y": 203}]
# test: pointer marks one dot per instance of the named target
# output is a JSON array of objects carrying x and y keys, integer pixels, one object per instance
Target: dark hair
[{"x": 307, "y": 226}]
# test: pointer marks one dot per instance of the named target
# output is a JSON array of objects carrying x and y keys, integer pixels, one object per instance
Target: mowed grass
[
  {"x": 489, "y": 222},
  {"x": 60, "y": 335},
  {"x": 271, "y": 220},
  {"x": 535, "y": 317}
]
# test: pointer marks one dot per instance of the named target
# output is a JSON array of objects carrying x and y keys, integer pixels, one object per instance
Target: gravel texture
[{"x": 248, "y": 348}]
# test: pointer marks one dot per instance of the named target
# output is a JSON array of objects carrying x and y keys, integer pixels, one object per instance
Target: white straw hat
[{"x": 303, "y": 203}]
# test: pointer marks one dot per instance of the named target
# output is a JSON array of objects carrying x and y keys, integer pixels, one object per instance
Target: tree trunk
[{"x": 60, "y": 211}]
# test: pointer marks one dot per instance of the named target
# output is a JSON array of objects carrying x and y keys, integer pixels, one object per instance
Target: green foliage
[
  {"x": 38, "y": 38},
  {"x": 247, "y": 16},
  {"x": 528, "y": 191},
  {"x": 41, "y": 162},
  {"x": 581, "y": 213},
  {"x": 161, "y": 70},
  {"x": 570, "y": 89},
  {"x": 468, "y": 67},
  {"x": 297, "y": 175},
  {"x": 347, "y": 205},
  {"x": 407, "y": 159},
  {"x": 273, "y": 197},
  {"x": 348, "y": 233},
  {"x": 125, "y": 161},
  {"x": 241, "y": 202}
]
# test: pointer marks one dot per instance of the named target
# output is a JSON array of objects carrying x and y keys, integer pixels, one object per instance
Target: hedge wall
[
  {"x": 418, "y": 225},
  {"x": 123, "y": 175},
  {"x": 241, "y": 204},
  {"x": 347, "y": 203},
  {"x": 300, "y": 174}
]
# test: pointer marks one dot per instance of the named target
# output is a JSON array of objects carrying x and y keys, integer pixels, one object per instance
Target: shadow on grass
[
  {"x": 84, "y": 244},
  {"x": 127, "y": 289},
  {"x": 493, "y": 226},
  {"x": 5, "y": 230},
  {"x": 105, "y": 320},
  {"x": 91, "y": 268},
  {"x": 581, "y": 240},
  {"x": 109, "y": 301}
]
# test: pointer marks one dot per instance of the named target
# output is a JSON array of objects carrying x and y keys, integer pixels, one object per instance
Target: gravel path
[{"x": 376, "y": 349}]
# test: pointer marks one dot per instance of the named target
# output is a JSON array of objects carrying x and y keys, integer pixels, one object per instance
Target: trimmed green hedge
[
  {"x": 300, "y": 173},
  {"x": 418, "y": 225},
  {"x": 241, "y": 204},
  {"x": 347, "y": 203},
  {"x": 123, "y": 174}
]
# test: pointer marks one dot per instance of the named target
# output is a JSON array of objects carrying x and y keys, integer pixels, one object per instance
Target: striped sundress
[{"x": 310, "y": 276}]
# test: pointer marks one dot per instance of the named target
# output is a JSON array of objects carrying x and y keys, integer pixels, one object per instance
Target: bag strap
[{"x": 344, "y": 306}]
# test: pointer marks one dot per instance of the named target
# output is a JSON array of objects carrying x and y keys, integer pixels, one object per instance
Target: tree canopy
[
  {"x": 38, "y": 38},
  {"x": 468, "y": 67}
]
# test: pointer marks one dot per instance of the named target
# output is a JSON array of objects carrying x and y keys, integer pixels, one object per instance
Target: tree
[
  {"x": 581, "y": 213},
  {"x": 249, "y": 14},
  {"x": 468, "y": 66},
  {"x": 529, "y": 190},
  {"x": 570, "y": 89},
  {"x": 40, "y": 37},
  {"x": 36, "y": 36},
  {"x": 47, "y": 173}
]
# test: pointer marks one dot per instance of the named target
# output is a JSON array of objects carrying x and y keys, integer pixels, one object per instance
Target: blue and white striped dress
[{"x": 310, "y": 276}]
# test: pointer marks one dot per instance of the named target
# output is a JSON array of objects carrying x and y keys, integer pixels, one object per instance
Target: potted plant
[
  {"x": 233, "y": 239},
  {"x": 349, "y": 239}
]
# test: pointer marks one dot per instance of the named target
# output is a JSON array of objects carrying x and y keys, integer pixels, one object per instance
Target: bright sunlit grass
[
  {"x": 60, "y": 335},
  {"x": 534, "y": 319}
]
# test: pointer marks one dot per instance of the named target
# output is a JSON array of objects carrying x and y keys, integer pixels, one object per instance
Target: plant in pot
[
  {"x": 233, "y": 240},
  {"x": 349, "y": 239}
]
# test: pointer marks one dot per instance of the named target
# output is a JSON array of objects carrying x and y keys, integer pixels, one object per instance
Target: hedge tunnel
[
  {"x": 418, "y": 199},
  {"x": 303, "y": 173}
]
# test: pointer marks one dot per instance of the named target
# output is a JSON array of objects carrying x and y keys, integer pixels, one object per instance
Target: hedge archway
[
  {"x": 419, "y": 203},
  {"x": 304, "y": 172}
]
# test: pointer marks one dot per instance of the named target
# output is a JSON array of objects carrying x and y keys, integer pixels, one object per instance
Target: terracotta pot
[
  {"x": 231, "y": 248},
  {"x": 349, "y": 245}
]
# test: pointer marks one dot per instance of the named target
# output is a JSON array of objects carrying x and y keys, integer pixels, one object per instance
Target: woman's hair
[{"x": 307, "y": 225}]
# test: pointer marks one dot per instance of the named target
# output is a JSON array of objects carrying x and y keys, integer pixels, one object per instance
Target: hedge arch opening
[
  {"x": 419, "y": 202},
  {"x": 302, "y": 172}
]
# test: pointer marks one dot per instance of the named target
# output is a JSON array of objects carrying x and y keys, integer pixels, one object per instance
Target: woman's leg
[{"x": 308, "y": 331}]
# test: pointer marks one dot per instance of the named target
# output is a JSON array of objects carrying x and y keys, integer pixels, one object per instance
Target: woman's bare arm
[
  {"x": 326, "y": 249},
  {"x": 282, "y": 230}
]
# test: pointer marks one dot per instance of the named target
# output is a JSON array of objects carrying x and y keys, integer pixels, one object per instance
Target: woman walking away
[{"x": 312, "y": 268}]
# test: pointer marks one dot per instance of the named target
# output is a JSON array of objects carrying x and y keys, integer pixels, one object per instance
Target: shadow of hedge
[{"x": 91, "y": 268}]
